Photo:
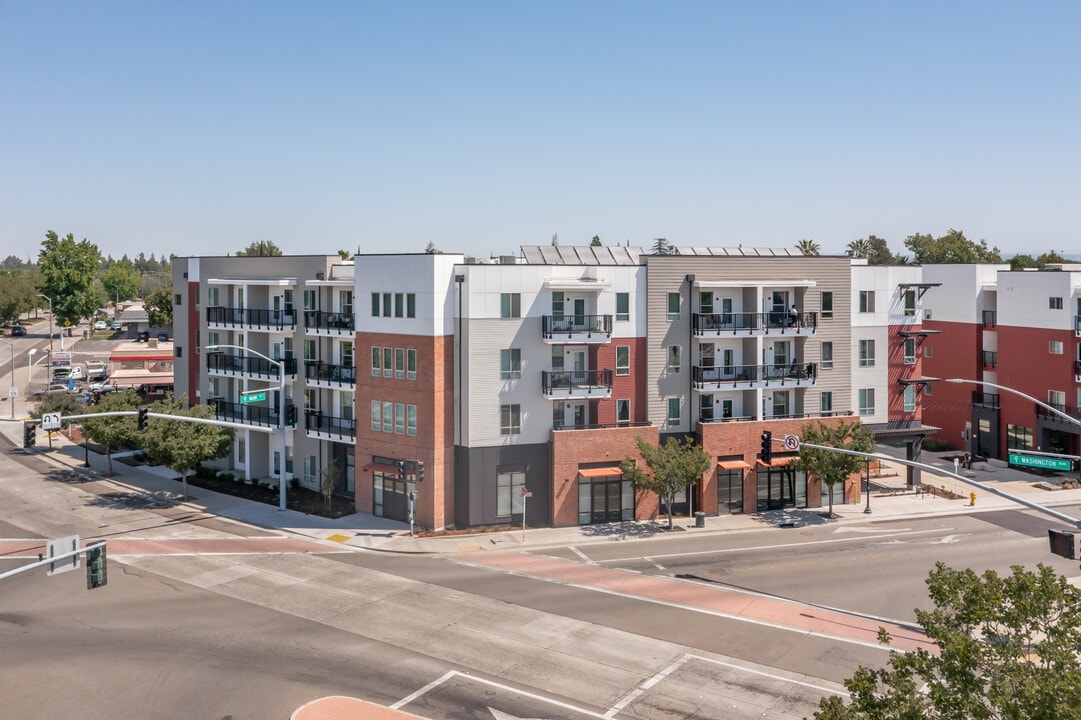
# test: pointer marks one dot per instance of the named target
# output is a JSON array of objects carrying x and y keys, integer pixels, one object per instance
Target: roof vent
[{"x": 320, "y": 276}]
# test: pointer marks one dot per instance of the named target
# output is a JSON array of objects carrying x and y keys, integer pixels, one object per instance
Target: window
[
  {"x": 289, "y": 459},
  {"x": 212, "y": 297},
  {"x": 1054, "y": 303},
  {"x": 867, "y": 353},
  {"x": 399, "y": 363},
  {"x": 673, "y": 306},
  {"x": 345, "y": 352},
  {"x": 179, "y": 351},
  {"x": 309, "y": 299},
  {"x": 345, "y": 299},
  {"x": 1055, "y": 347},
  {"x": 867, "y": 301},
  {"x": 411, "y": 419},
  {"x": 309, "y": 400},
  {"x": 310, "y": 352},
  {"x": 510, "y": 305},
  {"x": 1018, "y": 437},
  {"x": 928, "y": 351},
  {"x": 388, "y": 362},
  {"x": 557, "y": 303},
  {"x": 705, "y": 302},
  {"x": 827, "y": 355},
  {"x": 178, "y": 298},
  {"x": 510, "y": 364},
  {"x": 910, "y": 351},
  {"x": 623, "y": 359},
  {"x": 1056, "y": 399},
  {"x": 411, "y": 364},
  {"x": 825, "y": 402},
  {"x": 910, "y": 303},
  {"x": 377, "y": 415},
  {"x": 399, "y": 418},
  {"x": 375, "y": 304},
  {"x": 509, "y": 487},
  {"x": 623, "y": 412},
  {"x": 377, "y": 361},
  {"x": 388, "y": 417},
  {"x": 673, "y": 411},
  {"x": 510, "y": 419},
  {"x": 623, "y": 306},
  {"x": 867, "y": 401},
  {"x": 410, "y": 305},
  {"x": 310, "y": 468},
  {"x": 399, "y": 305},
  {"x": 827, "y": 304},
  {"x": 910, "y": 398},
  {"x": 673, "y": 358},
  {"x": 386, "y": 304}
]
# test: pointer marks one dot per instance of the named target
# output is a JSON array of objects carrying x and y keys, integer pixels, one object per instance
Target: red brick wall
[
  {"x": 624, "y": 387},
  {"x": 956, "y": 353}
]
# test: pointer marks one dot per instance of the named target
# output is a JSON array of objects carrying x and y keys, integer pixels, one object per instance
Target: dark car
[
  {"x": 163, "y": 337},
  {"x": 18, "y": 331},
  {"x": 144, "y": 336}
]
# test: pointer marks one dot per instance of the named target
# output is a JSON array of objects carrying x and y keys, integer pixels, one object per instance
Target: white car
[{"x": 101, "y": 325}]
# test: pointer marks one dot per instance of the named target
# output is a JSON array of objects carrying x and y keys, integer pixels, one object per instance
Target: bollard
[{"x": 971, "y": 498}]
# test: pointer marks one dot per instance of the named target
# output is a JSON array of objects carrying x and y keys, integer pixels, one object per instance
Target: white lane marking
[
  {"x": 641, "y": 689},
  {"x": 848, "y": 529},
  {"x": 585, "y": 558},
  {"x": 949, "y": 539},
  {"x": 433, "y": 684},
  {"x": 655, "y": 564}
]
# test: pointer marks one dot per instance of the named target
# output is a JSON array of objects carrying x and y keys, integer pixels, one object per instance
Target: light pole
[
  {"x": 11, "y": 390},
  {"x": 51, "y": 329},
  {"x": 1044, "y": 405},
  {"x": 281, "y": 413},
  {"x": 29, "y": 369}
]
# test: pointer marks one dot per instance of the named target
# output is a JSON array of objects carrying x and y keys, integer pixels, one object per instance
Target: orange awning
[
  {"x": 732, "y": 465},
  {"x": 382, "y": 467},
  {"x": 600, "y": 472},
  {"x": 777, "y": 462}
]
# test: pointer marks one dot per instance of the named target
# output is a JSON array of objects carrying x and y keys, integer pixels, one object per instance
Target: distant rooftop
[
  {"x": 740, "y": 251},
  {"x": 580, "y": 255}
]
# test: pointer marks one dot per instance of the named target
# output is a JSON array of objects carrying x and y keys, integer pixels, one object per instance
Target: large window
[
  {"x": 399, "y": 418},
  {"x": 388, "y": 362},
  {"x": 827, "y": 304},
  {"x": 910, "y": 303},
  {"x": 673, "y": 358},
  {"x": 623, "y": 306},
  {"x": 910, "y": 398},
  {"x": 867, "y": 301},
  {"x": 673, "y": 411},
  {"x": 399, "y": 363},
  {"x": 510, "y": 305},
  {"x": 411, "y": 364},
  {"x": 623, "y": 412},
  {"x": 388, "y": 417},
  {"x": 510, "y": 364},
  {"x": 1018, "y": 437},
  {"x": 1056, "y": 399},
  {"x": 623, "y": 359},
  {"x": 399, "y": 305},
  {"x": 557, "y": 303},
  {"x": 867, "y": 353},
  {"x": 510, "y": 419},
  {"x": 827, "y": 355},
  {"x": 411, "y": 419},
  {"x": 1054, "y": 347},
  {"x": 673, "y": 306},
  {"x": 867, "y": 401},
  {"x": 509, "y": 487},
  {"x": 375, "y": 304},
  {"x": 825, "y": 402},
  {"x": 1055, "y": 303},
  {"x": 910, "y": 351}
]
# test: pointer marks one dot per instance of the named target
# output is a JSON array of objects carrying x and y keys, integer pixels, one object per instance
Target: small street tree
[
  {"x": 833, "y": 467},
  {"x": 1007, "y": 648},
  {"x": 113, "y": 430},
  {"x": 674, "y": 466},
  {"x": 329, "y": 478},
  {"x": 180, "y": 445}
]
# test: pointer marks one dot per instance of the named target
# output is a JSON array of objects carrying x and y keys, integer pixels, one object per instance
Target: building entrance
[
  {"x": 781, "y": 487},
  {"x": 390, "y": 497},
  {"x": 605, "y": 499}
]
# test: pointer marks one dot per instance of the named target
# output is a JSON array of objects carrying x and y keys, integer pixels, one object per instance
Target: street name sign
[
  {"x": 253, "y": 396},
  {"x": 1044, "y": 463}
]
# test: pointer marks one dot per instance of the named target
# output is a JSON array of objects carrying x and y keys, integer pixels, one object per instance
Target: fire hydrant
[{"x": 972, "y": 498}]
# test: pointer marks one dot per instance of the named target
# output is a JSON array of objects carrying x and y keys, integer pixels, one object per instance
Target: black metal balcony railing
[
  {"x": 784, "y": 373},
  {"x": 987, "y": 400},
  {"x": 587, "y": 381},
  {"x": 990, "y": 358},
  {"x": 248, "y": 364},
  {"x": 1044, "y": 413},
  {"x": 1077, "y": 367},
  {"x": 990, "y": 317},
  {"x": 330, "y": 424},
  {"x": 251, "y": 317},
  {"x": 341, "y": 374},
  {"x": 746, "y": 321},
  {"x": 557, "y": 425},
  {"x": 247, "y": 413},
  {"x": 711, "y": 418},
  {"x": 555, "y": 325},
  {"x": 319, "y": 320}
]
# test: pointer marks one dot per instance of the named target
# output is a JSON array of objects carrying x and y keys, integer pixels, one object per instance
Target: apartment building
[{"x": 1014, "y": 329}]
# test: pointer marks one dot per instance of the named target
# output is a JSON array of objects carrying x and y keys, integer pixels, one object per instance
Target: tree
[
  {"x": 113, "y": 430},
  {"x": 344, "y": 254},
  {"x": 878, "y": 253},
  {"x": 674, "y": 467},
  {"x": 662, "y": 247},
  {"x": 329, "y": 479},
  {"x": 181, "y": 445},
  {"x": 70, "y": 269},
  {"x": 596, "y": 241},
  {"x": 431, "y": 249},
  {"x": 159, "y": 308},
  {"x": 833, "y": 467},
  {"x": 1007, "y": 648},
  {"x": 951, "y": 248},
  {"x": 1021, "y": 262},
  {"x": 263, "y": 248},
  {"x": 18, "y": 293},
  {"x": 858, "y": 248},
  {"x": 808, "y": 247},
  {"x": 121, "y": 281}
]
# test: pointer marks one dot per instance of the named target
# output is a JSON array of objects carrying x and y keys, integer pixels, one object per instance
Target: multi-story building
[{"x": 1017, "y": 330}]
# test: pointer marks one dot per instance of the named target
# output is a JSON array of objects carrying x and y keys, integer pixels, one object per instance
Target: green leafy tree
[
  {"x": 808, "y": 247},
  {"x": 1022, "y": 262},
  {"x": 878, "y": 253},
  {"x": 70, "y": 269},
  {"x": 181, "y": 445},
  {"x": 121, "y": 281},
  {"x": 159, "y": 308},
  {"x": 833, "y": 467},
  {"x": 345, "y": 254},
  {"x": 858, "y": 248},
  {"x": 1007, "y": 648},
  {"x": 951, "y": 248},
  {"x": 18, "y": 293},
  {"x": 661, "y": 246},
  {"x": 263, "y": 248},
  {"x": 112, "y": 431},
  {"x": 674, "y": 466},
  {"x": 63, "y": 403},
  {"x": 596, "y": 242}
]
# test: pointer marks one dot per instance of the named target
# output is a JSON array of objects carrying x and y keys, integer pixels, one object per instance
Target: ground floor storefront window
[
  {"x": 606, "y": 498},
  {"x": 729, "y": 491},
  {"x": 781, "y": 487}
]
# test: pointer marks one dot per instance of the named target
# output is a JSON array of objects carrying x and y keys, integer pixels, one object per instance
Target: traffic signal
[
  {"x": 291, "y": 416},
  {"x": 96, "y": 574},
  {"x": 767, "y": 447},
  {"x": 401, "y": 469},
  {"x": 420, "y": 470},
  {"x": 144, "y": 413},
  {"x": 30, "y": 435}
]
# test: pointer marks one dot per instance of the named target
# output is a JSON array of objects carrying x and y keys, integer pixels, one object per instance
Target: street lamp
[
  {"x": 1044, "y": 405},
  {"x": 51, "y": 328},
  {"x": 11, "y": 390},
  {"x": 29, "y": 369},
  {"x": 281, "y": 413}
]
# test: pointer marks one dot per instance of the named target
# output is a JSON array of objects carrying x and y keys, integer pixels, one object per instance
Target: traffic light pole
[{"x": 51, "y": 560}]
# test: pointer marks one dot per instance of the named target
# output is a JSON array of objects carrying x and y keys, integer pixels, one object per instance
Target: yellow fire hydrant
[{"x": 972, "y": 498}]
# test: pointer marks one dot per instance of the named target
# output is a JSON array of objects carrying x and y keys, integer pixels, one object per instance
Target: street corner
[{"x": 339, "y": 707}]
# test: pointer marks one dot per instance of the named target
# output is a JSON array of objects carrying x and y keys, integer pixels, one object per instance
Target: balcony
[
  {"x": 745, "y": 377},
  {"x": 317, "y": 322},
  {"x": 329, "y": 427},
  {"x": 990, "y": 317},
  {"x": 1077, "y": 370},
  {"x": 251, "y": 319},
  {"x": 249, "y": 366},
  {"x": 577, "y": 384},
  {"x": 990, "y": 358},
  {"x": 709, "y": 325},
  {"x": 599, "y": 426},
  {"x": 986, "y": 400},
  {"x": 576, "y": 329},
  {"x": 1044, "y": 414},
  {"x": 246, "y": 413},
  {"x": 319, "y": 374},
  {"x": 708, "y": 417}
]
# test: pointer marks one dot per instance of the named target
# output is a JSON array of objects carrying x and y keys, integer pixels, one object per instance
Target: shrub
[{"x": 294, "y": 483}]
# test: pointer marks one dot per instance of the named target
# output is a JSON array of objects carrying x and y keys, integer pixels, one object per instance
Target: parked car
[
  {"x": 97, "y": 371},
  {"x": 74, "y": 372},
  {"x": 58, "y": 389},
  {"x": 144, "y": 335},
  {"x": 18, "y": 331},
  {"x": 163, "y": 337},
  {"x": 101, "y": 325},
  {"x": 116, "y": 325}
]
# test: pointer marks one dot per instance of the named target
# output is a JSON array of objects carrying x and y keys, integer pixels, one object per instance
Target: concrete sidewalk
[{"x": 890, "y": 499}]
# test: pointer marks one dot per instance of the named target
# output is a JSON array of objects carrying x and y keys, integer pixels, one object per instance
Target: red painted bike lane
[{"x": 30, "y": 548}]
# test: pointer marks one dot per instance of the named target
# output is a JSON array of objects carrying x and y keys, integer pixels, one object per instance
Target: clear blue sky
[{"x": 199, "y": 127}]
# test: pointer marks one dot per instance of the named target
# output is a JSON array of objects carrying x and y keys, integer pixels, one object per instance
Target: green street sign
[
  {"x": 254, "y": 396},
  {"x": 1044, "y": 463}
]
